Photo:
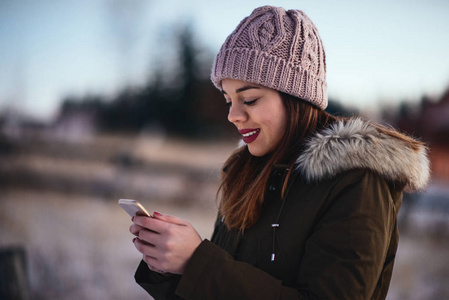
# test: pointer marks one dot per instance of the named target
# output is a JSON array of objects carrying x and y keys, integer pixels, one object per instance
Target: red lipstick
[{"x": 249, "y": 135}]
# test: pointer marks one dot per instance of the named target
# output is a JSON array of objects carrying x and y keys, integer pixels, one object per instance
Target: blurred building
[
  {"x": 430, "y": 122},
  {"x": 434, "y": 127}
]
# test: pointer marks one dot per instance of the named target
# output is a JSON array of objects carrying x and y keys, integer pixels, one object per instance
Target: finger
[
  {"x": 169, "y": 219},
  {"x": 145, "y": 248},
  {"x": 149, "y": 237},
  {"x": 152, "y": 224},
  {"x": 135, "y": 229}
]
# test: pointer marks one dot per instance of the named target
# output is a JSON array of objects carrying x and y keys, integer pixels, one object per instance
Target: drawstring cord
[
  {"x": 273, "y": 255},
  {"x": 275, "y": 225}
]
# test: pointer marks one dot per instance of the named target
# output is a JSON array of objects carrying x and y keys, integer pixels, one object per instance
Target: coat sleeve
[
  {"x": 160, "y": 287},
  {"x": 343, "y": 257}
]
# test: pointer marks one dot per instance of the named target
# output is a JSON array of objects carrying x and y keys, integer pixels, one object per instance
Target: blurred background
[{"x": 109, "y": 99}]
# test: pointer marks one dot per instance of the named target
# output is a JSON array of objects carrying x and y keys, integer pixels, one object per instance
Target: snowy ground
[
  {"x": 60, "y": 204},
  {"x": 80, "y": 247}
]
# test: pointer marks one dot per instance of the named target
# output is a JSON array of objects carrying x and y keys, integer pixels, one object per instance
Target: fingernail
[
  {"x": 134, "y": 239},
  {"x": 157, "y": 214},
  {"x": 132, "y": 219}
]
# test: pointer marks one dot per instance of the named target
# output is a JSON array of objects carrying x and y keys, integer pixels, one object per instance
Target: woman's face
[{"x": 258, "y": 113}]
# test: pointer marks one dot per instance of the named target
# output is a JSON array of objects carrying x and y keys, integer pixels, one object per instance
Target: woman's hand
[{"x": 166, "y": 242}]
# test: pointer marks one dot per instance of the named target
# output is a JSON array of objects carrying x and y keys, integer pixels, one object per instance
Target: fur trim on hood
[{"x": 356, "y": 144}]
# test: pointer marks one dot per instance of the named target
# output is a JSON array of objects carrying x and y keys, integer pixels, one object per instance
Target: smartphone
[{"x": 133, "y": 207}]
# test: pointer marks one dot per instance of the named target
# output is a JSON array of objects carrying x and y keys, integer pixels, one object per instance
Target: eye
[
  {"x": 228, "y": 104},
  {"x": 251, "y": 102}
]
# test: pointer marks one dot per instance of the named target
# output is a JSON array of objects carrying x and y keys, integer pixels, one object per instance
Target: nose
[{"x": 237, "y": 114}]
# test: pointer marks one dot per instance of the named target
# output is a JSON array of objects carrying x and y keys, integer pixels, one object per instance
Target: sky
[{"x": 378, "y": 52}]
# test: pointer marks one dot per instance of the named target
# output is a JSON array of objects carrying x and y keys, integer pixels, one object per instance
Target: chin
[{"x": 256, "y": 151}]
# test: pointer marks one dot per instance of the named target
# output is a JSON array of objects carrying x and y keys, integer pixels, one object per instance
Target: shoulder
[
  {"x": 355, "y": 144},
  {"x": 359, "y": 180}
]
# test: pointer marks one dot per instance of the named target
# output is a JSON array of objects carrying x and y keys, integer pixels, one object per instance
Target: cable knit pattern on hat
[{"x": 278, "y": 49}]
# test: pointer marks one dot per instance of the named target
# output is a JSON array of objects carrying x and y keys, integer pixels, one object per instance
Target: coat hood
[{"x": 355, "y": 144}]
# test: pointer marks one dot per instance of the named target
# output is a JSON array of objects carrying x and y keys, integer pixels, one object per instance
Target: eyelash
[{"x": 249, "y": 103}]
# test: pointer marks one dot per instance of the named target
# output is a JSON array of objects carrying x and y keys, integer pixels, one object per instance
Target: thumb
[{"x": 168, "y": 219}]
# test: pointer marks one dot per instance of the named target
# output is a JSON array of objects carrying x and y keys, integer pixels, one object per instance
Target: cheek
[
  {"x": 278, "y": 122},
  {"x": 278, "y": 132}
]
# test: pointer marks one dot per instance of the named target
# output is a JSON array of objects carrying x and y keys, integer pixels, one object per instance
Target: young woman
[{"x": 309, "y": 203}]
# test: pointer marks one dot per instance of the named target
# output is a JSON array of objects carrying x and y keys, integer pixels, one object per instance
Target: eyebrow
[{"x": 244, "y": 88}]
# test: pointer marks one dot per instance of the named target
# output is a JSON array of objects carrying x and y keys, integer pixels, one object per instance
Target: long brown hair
[{"x": 245, "y": 176}]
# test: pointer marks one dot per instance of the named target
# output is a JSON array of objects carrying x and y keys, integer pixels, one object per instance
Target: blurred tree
[
  {"x": 335, "y": 108},
  {"x": 181, "y": 113},
  {"x": 183, "y": 102},
  {"x": 406, "y": 117}
]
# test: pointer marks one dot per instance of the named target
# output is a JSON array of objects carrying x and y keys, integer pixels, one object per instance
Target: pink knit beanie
[{"x": 277, "y": 49}]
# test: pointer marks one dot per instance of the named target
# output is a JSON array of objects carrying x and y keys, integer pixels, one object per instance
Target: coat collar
[{"x": 356, "y": 144}]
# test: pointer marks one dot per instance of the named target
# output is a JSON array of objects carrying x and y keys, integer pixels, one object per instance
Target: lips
[{"x": 249, "y": 135}]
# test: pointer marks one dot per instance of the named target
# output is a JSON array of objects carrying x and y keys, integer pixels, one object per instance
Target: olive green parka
[{"x": 334, "y": 236}]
